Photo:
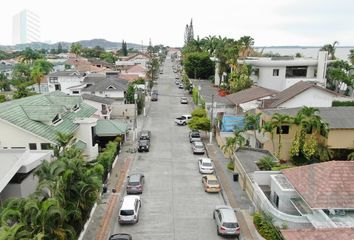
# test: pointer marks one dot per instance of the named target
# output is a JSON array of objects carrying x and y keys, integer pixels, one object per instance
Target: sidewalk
[{"x": 236, "y": 197}]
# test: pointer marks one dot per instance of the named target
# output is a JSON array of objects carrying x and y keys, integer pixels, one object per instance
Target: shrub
[
  {"x": 230, "y": 166},
  {"x": 280, "y": 167},
  {"x": 266, "y": 163},
  {"x": 342, "y": 104},
  {"x": 265, "y": 226},
  {"x": 2, "y": 98}
]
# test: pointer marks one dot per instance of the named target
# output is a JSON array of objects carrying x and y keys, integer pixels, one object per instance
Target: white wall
[
  {"x": 284, "y": 197},
  {"x": 267, "y": 80},
  {"x": 111, "y": 94},
  {"x": 65, "y": 83},
  {"x": 25, "y": 188},
  {"x": 85, "y": 134},
  {"x": 12, "y": 136},
  {"x": 312, "y": 97},
  {"x": 263, "y": 177},
  {"x": 122, "y": 110}
]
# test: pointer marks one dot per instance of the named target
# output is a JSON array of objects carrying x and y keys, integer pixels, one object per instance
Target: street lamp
[{"x": 135, "y": 116}]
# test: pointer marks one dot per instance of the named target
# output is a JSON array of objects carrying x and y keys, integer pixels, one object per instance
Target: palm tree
[
  {"x": 331, "y": 49},
  {"x": 279, "y": 120},
  {"x": 252, "y": 122},
  {"x": 29, "y": 55},
  {"x": 233, "y": 143},
  {"x": 268, "y": 127},
  {"x": 351, "y": 56},
  {"x": 246, "y": 43},
  {"x": 76, "y": 48},
  {"x": 64, "y": 139}
]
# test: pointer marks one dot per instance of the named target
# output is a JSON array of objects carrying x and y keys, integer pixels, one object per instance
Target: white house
[
  {"x": 279, "y": 73},
  {"x": 33, "y": 122},
  {"x": 16, "y": 172},
  {"x": 64, "y": 80},
  {"x": 105, "y": 86}
]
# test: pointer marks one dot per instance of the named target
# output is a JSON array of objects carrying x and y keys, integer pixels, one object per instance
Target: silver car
[
  {"x": 135, "y": 183},
  {"x": 198, "y": 147},
  {"x": 226, "y": 221}
]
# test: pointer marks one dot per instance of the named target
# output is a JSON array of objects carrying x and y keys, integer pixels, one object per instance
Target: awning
[
  {"x": 80, "y": 145},
  {"x": 110, "y": 128}
]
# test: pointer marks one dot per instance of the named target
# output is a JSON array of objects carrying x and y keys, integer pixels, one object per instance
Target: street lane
[{"x": 174, "y": 204}]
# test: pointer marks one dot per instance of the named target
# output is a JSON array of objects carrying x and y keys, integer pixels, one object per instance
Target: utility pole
[
  {"x": 211, "y": 119},
  {"x": 135, "y": 116}
]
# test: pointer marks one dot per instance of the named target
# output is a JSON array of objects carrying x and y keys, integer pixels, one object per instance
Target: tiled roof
[
  {"x": 295, "y": 90},
  {"x": 136, "y": 69},
  {"x": 336, "y": 117},
  {"x": 32, "y": 113},
  {"x": 103, "y": 84},
  {"x": 109, "y": 128},
  {"x": 319, "y": 234},
  {"x": 65, "y": 73},
  {"x": 250, "y": 94},
  {"x": 128, "y": 77},
  {"x": 324, "y": 185},
  {"x": 104, "y": 100}
]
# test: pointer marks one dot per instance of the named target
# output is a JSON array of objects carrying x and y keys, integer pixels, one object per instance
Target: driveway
[{"x": 174, "y": 204}]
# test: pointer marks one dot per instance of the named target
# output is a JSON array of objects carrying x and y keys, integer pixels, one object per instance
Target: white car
[
  {"x": 184, "y": 100},
  {"x": 129, "y": 211},
  {"x": 198, "y": 147},
  {"x": 206, "y": 166}
]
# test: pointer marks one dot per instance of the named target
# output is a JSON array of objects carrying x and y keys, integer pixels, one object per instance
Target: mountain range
[{"x": 66, "y": 45}]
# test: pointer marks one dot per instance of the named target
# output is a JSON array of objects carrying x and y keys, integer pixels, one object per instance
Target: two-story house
[{"x": 64, "y": 80}]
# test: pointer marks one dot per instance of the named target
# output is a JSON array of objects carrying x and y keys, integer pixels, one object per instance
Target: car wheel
[
  {"x": 148, "y": 150},
  {"x": 213, "y": 215}
]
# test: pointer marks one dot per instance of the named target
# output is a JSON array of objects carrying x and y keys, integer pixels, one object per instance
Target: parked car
[
  {"x": 155, "y": 91},
  {"x": 183, "y": 120},
  {"x": 154, "y": 97},
  {"x": 180, "y": 86},
  {"x": 129, "y": 210},
  {"x": 198, "y": 147},
  {"x": 177, "y": 82},
  {"x": 121, "y": 236},
  {"x": 226, "y": 221},
  {"x": 205, "y": 166},
  {"x": 211, "y": 183},
  {"x": 145, "y": 135},
  {"x": 194, "y": 136},
  {"x": 135, "y": 183},
  {"x": 143, "y": 145},
  {"x": 184, "y": 100}
]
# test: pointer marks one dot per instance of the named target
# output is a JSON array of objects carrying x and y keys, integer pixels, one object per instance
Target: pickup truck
[{"x": 183, "y": 120}]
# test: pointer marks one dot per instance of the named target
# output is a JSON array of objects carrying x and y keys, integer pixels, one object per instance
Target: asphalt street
[{"x": 174, "y": 204}]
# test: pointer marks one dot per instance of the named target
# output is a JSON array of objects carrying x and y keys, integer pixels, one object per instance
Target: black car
[
  {"x": 143, "y": 145},
  {"x": 145, "y": 135},
  {"x": 120, "y": 236}
]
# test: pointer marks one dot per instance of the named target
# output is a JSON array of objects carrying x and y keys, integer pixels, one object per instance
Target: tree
[
  {"x": 4, "y": 82},
  {"x": 153, "y": 66},
  {"x": 189, "y": 33},
  {"x": 29, "y": 55},
  {"x": 76, "y": 48},
  {"x": 124, "y": 48},
  {"x": 64, "y": 140},
  {"x": 339, "y": 75},
  {"x": 240, "y": 79},
  {"x": 331, "y": 49},
  {"x": 268, "y": 127},
  {"x": 351, "y": 56},
  {"x": 108, "y": 57},
  {"x": 233, "y": 143},
  {"x": 200, "y": 120},
  {"x": 252, "y": 122},
  {"x": 21, "y": 74},
  {"x": 278, "y": 121},
  {"x": 198, "y": 65},
  {"x": 40, "y": 69},
  {"x": 199, "y": 113},
  {"x": 246, "y": 43},
  {"x": 60, "y": 48},
  {"x": 22, "y": 91}
]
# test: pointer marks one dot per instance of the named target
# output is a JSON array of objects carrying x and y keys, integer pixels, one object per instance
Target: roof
[
  {"x": 136, "y": 69},
  {"x": 336, "y": 117},
  {"x": 32, "y": 113},
  {"x": 80, "y": 145},
  {"x": 128, "y": 201},
  {"x": 65, "y": 73},
  {"x": 128, "y": 77},
  {"x": 319, "y": 234},
  {"x": 295, "y": 90},
  {"x": 104, "y": 100},
  {"x": 324, "y": 185},
  {"x": 107, "y": 128},
  {"x": 250, "y": 94},
  {"x": 100, "y": 84}
]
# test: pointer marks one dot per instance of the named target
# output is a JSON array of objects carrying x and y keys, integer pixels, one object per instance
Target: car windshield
[
  {"x": 195, "y": 135},
  {"x": 230, "y": 225},
  {"x": 207, "y": 164},
  {"x": 133, "y": 183},
  {"x": 213, "y": 182},
  {"x": 126, "y": 212},
  {"x": 199, "y": 146}
]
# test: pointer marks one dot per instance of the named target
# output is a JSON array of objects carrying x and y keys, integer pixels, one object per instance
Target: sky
[{"x": 269, "y": 22}]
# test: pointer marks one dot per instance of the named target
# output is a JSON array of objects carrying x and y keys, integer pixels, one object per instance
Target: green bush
[
  {"x": 230, "y": 166},
  {"x": 107, "y": 157},
  {"x": 280, "y": 167},
  {"x": 266, "y": 163},
  {"x": 342, "y": 103},
  {"x": 265, "y": 227},
  {"x": 198, "y": 65},
  {"x": 2, "y": 98}
]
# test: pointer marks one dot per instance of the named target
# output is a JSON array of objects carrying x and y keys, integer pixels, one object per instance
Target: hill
[{"x": 85, "y": 43}]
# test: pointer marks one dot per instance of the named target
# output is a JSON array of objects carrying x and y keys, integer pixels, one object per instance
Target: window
[
  {"x": 76, "y": 108},
  {"x": 56, "y": 119},
  {"x": 53, "y": 79},
  {"x": 298, "y": 71},
  {"x": 76, "y": 92},
  {"x": 276, "y": 199},
  {"x": 283, "y": 130},
  {"x": 33, "y": 146},
  {"x": 275, "y": 72},
  {"x": 57, "y": 87},
  {"x": 45, "y": 146}
]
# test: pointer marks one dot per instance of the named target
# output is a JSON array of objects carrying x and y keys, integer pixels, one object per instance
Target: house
[
  {"x": 304, "y": 94},
  {"x": 16, "y": 172},
  {"x": 64, "y": 80},
  {"x": 317, "y": 196},
  {"x": 279, "y": 73},
  {"x": 250, "y": 98},
  {"x": 136, "y": 70},
  {"x": 33, "y": 122},
  {"x": 104, "y": 86},
  {"x": 83, "y": 65},
  {"x": 102, "y": 104},
  {"x": 340, "y": 136}
]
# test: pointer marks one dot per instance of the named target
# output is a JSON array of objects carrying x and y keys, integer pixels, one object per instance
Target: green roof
[
  {"x": 108, "y": 128},
  {"x": 80, "y": 145},
  {"x": 35, "y": 113}
]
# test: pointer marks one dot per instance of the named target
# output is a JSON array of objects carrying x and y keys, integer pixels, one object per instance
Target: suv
[
  {"x": 226, "y": 221},
  {"x": 135, "y": 183},
  {"x": 129, "y": 211},
  {"x": 194, "y": 136},
  {"x": 143, "y": 145},
  {"x": 145, "y": 135}
]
